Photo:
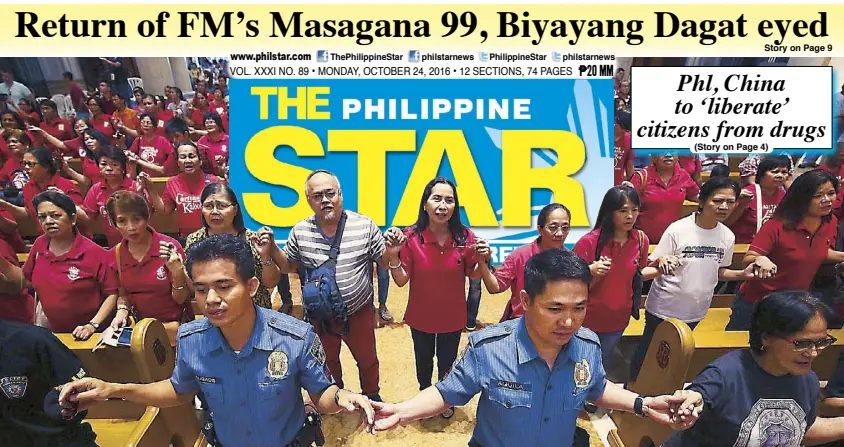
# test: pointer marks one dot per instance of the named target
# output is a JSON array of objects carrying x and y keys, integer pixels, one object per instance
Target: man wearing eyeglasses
[{"x": 361, "y": 244}]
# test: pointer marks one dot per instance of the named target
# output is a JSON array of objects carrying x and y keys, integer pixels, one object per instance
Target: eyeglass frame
[
  {"x": 829, "y": 338},
  {"x": 216, "y": 206},
  {"x": 565, "y": 230},
  {"x": 329, "y": 194}
]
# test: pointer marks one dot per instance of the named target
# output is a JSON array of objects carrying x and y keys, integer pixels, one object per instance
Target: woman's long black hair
[
  {"x": 613, "y": 201},
  {"x": 455, "y": 226}
]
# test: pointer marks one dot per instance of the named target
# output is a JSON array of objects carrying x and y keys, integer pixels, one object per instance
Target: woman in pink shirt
[
  {"x": 152, "y": 152},
  {"x": 435, "y": 255},
  {"x": 663, "y": 187},
  {"x": 614, "y": 251},
  {"x": 767, "y": 191},
  {"x": 553, "y": 224},
  {"x": 214, "y": 146},
  {"x": 182, "y": 192}
]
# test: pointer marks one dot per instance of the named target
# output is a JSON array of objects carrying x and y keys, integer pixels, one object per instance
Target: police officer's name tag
[
  {"x": 14, "y": 387},
  {"x": 513, "y": 385},
  {"x": 208, "y": 379}
]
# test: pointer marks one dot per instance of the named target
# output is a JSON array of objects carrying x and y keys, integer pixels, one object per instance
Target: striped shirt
[{"x": 362, "y": 244}]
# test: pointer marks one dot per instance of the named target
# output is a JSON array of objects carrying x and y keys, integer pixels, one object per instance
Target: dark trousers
[
  {"x": 425, "y": 346},
  {"x": 284, "y": 289},
  {"x": 383, "y": 284},
  {"x": 651, "y": 323},
  {"x": 473, "y": 301}
]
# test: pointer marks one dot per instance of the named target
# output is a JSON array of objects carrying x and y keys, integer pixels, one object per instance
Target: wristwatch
[
  {"x": 94, "y": 325},
  {"x": 638, "y": 406}
]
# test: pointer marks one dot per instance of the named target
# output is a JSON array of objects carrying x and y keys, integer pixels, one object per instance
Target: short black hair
[
  {"x": 714, "y": 184},
  {"x": 769, "y": 164},
  {"x": 68, "y": 75},
  {"x": 783, "y": 313},
  {"x": 223, "y": 246},
  {"x": 176, "y": 125},
  {"x": 554, "y": 265},
  {"x": 44, "y": 158},
  {"x": 56, "y": 198},
  {"x": 720, "y": 171}
]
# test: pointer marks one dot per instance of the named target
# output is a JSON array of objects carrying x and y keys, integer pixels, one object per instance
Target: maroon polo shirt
[
  {"x": 662, "y": 203},
  {"x": 95, "y": 201},
  {"x": 183, "y": 194},
  {"x": 148, "y": 282},
  {"x": 71, "y": 287},
  {"x": 797, "y": 253},
  {"x": 437, "y": 299},
  {"x": 157, "y": 151},
  {"x": 745, "y": 227},
  {"x": 20, "y": 307},
  {"x": 512, "y": 275},
  {"x": 611, "y": 298}
]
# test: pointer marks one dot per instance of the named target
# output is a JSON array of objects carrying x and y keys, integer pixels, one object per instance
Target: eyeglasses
[
  {"x": 219, "y": 206},
  {"x": 29, "y": 164},
  {"x": 330, "y": 195},
  {"x": 553, "y": 229},
  {"x": 805, "y": 345}
]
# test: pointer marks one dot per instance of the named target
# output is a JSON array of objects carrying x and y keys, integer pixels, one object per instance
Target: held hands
[
  {"x": 482, "y": 250},
  {"x": 395, "y": 239},
  {"x": 601, "y": 267},
  {"x": 679, "y": 411},
  {"x": 745, "y": 196},
  {"x": 763, "y": 268},
  {"x": 667, "y": 265},
  {"x": 386, "y": 417},
  {"x": 84, "y": 392},
  {"x": 142, "y": 183},
  {"x": 264, "y": 239},
  {"x": 352, "y": 402}
]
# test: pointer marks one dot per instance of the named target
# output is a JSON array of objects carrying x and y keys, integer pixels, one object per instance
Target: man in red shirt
[{"x": 77, "y": 97}]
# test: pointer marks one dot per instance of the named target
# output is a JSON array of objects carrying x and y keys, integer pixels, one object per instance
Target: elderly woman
[
  {"x": 182, "y": 192},
  {"x": 662, "y": 188},
  {"x": 68, "y": 271},
  {"x": 221, "y": 214},
  {"x": 149, "y": 266},
  {"x": 768, "y": 394}
]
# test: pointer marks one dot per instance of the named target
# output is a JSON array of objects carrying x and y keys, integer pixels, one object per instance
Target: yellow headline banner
[{"x": 629, "y": 29}]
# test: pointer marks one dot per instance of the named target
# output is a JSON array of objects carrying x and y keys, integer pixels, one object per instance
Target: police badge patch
[
  {"x": 582, "y": 374},
  {"x": 277, "y": 365},
  {"x": 14, "y": 387},
  {"x": 317, "y": 351}
]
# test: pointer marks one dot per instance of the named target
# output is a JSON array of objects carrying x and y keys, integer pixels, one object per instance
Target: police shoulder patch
[
  {"x": 317, "y": 351},
  {"x": 193, "y": 327},
  {"x": 492, "y": 332},
  {"x": 14, "y": 387}
]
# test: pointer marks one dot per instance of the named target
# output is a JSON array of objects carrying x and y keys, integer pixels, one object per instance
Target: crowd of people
[{"x": 536, "y": 370}]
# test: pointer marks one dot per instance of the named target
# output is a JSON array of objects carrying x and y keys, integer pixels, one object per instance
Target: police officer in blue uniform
[
  {"x": 249, "y": 362},
  {"x": 33, "y": 365},
  {"x": 535, "y": 373}
]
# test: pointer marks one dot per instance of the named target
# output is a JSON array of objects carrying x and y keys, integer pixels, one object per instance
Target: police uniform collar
[
  {"x": 525, "y": 350},
  {"x": 218, "y": 341}
]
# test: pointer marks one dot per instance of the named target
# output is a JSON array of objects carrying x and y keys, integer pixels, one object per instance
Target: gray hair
[{"x": 321, "y": 171}]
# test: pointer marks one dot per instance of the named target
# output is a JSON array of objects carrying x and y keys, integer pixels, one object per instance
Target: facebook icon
[
  {"x": 322, "y": 56},
  {"x": 414, "y": 56}
]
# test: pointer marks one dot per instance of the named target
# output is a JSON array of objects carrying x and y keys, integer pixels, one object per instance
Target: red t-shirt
[
  {"x": 160, "y": 121},
  {"x": 221, "y": 108},
  {"x": 103, "y": 123},
  {"x": 183, "y": 194},
  {"x": 209, "y": 149},
  {"x": 90, "y": 168},
  {"x": 71, "y": 287},
  {"x": 148, "y": 282},
  {"x": 20, "y": 307},
  {"x": 797, "y": 254},
  {"x": 745, "y": 227},
  {"x": 13, "y": 239},
  {"x": 437, "y": 300},
  {"x": 4, "y": 147},
  {"x": 95, "y": 201},
  {"x": 74, "y": 147},
  {"x": 623, "y": 154},
  {"x": 13, "y": 172},
  {"x": 662, "y": 203},
  {"x": 60, "y": 128},
  {"x": 511, "y": 275},
  {"x": 690, "y": 164},
  {"x": 158, "y": 151},
  {"x": 611, "y": 298}
]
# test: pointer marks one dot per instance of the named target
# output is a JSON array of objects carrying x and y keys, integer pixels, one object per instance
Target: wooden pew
[
  {"x": 734, "y": 174},
  {"x": 738, "y": 255},
  {"x": 718, "y": 300},
  {"x": 163, "y": 224},
  {"x": 715, "y": 321},
  {"x": 148, "y": 359},
  {"x": 675, "y": 356}
]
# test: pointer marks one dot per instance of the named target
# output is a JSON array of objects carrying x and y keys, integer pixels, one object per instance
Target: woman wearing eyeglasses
[
  {"x": 766, "y": 395},
  {"x": 221, "y": 214},
  {"x": 182, "y": 192},
  {"x": 435, "y": 255},
  {"x": 554, "y": 224},
  {"x": 791, "y": 246}
]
